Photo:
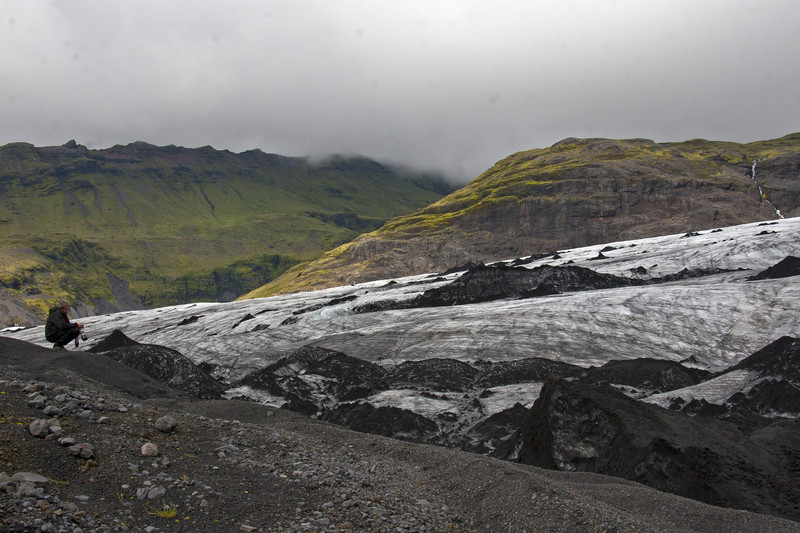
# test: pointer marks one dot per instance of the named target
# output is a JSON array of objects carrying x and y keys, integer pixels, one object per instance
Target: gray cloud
[{"x": 450, "y": 85}]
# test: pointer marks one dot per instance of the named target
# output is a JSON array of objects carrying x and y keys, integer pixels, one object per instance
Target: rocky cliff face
[{"x": 576, "y": 193}]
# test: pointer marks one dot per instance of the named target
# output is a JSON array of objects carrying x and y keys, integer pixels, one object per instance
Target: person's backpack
[{"x": 49, "y": 330}]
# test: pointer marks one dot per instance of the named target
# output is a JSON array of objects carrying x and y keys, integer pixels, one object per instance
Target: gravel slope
[{"x": 237, "y": 466}]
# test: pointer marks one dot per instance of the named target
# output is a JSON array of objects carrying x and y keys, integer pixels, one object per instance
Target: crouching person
[{"x": 58, "y": 329}]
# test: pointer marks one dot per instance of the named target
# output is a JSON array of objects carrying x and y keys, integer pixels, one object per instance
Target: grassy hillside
[
  {"x": 575, "y": 193},
  {"x": 145, "y": 225}
]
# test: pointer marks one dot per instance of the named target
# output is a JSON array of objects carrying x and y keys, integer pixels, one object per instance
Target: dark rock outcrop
[
  {"x": 778, "y": 391},
  {"x": 386, "y": 421},
  {"x": 343, "y": 378},
  {"x": 597, "y": 429},
  {"x": 779, "y": 358},
  {"x": 523, "y": 370},
  {"x": 165, "y": 365},
  {"x": 494, "y": 436},
  {"x": 727, "y": 454},
  {"x": 117, "y": 339},
  {"x": 433, "y": 374},
  {"x": 649, "y": 375},
  {"x": 769, "y": 397},
  {"x": 483, "y": 283},
  {"x": 789, "y": 266},
  {"x": 770, "y": 389}
]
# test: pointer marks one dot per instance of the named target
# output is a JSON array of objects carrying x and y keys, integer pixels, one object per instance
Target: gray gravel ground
[{"x": 238, "y": 466}]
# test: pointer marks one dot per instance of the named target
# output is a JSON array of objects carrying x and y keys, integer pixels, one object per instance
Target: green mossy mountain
[
  {"x": 142, "y": 226},
  {"x": 578, "y": 192}
]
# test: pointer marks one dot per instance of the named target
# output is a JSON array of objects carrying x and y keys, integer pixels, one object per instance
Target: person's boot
[{"x": 58, "y": 347}]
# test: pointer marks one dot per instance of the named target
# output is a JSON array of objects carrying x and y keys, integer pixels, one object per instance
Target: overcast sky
[{"x": 454, "y": 85}]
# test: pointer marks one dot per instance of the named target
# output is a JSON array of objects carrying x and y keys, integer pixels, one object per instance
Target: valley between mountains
[{"x": 668, "y": 361}]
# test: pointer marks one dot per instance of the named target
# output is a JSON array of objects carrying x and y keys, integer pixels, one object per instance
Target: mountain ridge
[
  {"x": 578, "y": 192},
  {"x": 141, "y": 225}
]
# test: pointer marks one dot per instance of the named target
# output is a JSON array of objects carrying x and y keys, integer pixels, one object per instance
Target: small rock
[
  {"x": 31, "y": 477},
  {"x": 149, "y": 450},
  {"x": 83, "y": 450},
  {"x": 39, "y": 428},
  {"x": 29, "y": 490},
  {"x": 38, "y": 402},
  {"x": 34, "y": 387},
  {"x": 156, "y": 492},
  {"x": 52, "y": 410},
  {"x": 45, "y": 506},
  {"x": 166, "y": 424}
]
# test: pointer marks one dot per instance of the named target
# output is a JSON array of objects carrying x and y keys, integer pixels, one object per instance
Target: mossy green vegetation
[{"x": 166, "y": 224}]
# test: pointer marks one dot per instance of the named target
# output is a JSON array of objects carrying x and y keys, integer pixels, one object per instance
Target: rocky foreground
[{"x": 89, "y": 444}]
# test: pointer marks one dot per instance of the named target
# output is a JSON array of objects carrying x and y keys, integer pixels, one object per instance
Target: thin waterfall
[{"x": 761, "y": 193}]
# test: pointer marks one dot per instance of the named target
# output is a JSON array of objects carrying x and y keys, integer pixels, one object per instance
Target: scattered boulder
[{"x": 156, "y": 493}]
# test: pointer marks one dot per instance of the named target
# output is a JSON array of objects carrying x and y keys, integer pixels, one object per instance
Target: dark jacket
[{"x": 57, "y": 322}]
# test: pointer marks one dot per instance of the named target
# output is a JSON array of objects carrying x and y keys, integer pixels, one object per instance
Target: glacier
[{"x": 710, "y": 322}]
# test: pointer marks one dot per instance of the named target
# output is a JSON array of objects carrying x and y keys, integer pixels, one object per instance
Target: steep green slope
[
  {"x": 141, "y": 225},
  {"x": 576, "y": 193}
]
